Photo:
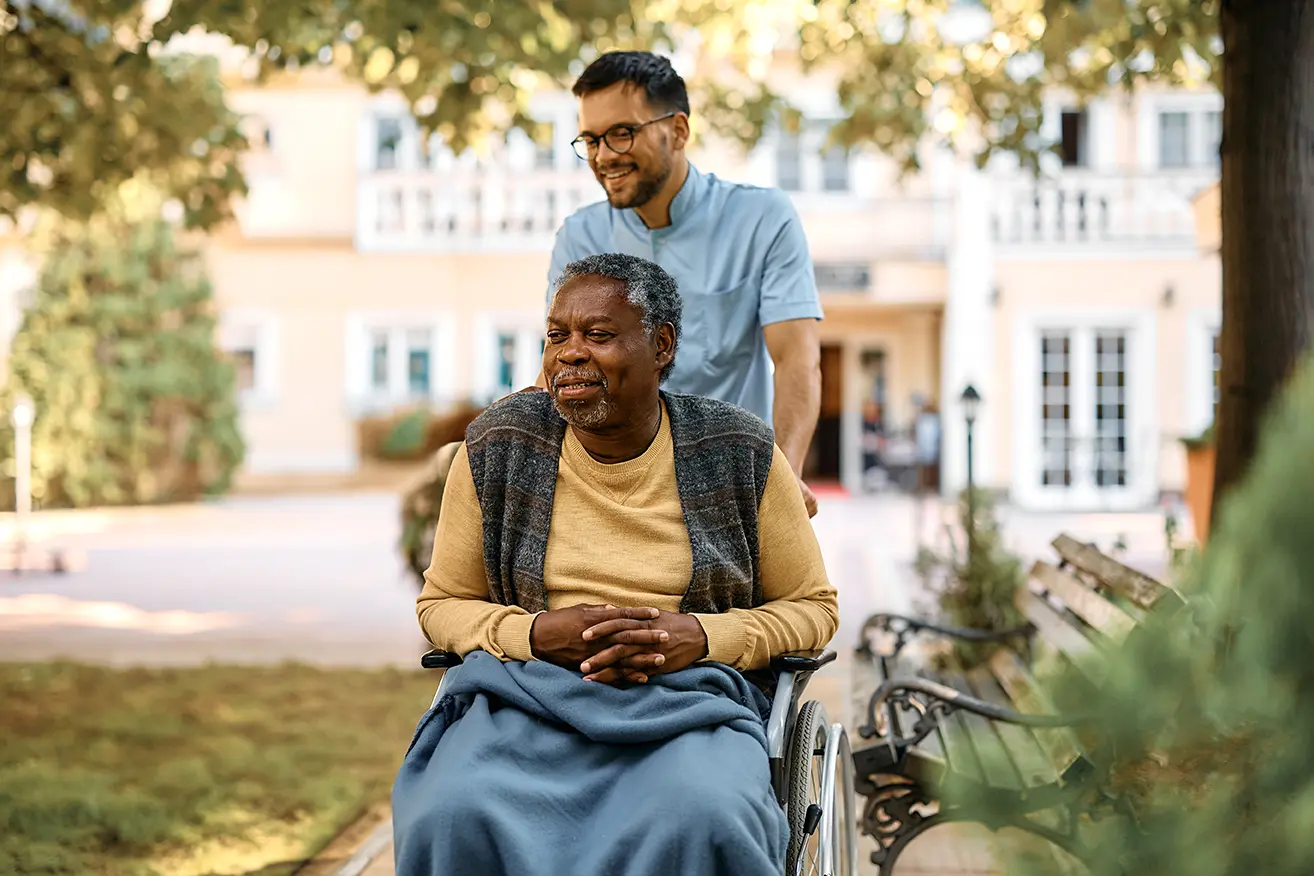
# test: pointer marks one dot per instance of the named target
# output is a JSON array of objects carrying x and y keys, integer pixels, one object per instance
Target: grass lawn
[{"x": 192, "y": 772}]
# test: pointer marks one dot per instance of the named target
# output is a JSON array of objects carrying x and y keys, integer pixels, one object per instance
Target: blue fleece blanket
[{"x": 525, "y": 768}]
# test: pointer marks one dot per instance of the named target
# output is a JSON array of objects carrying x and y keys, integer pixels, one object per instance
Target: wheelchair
[{"x": 811, "y": 764}]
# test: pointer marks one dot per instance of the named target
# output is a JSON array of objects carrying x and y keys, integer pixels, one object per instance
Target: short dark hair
[
  {"x": 647, "y": 287},
  {"x": 654, "y": 74}
]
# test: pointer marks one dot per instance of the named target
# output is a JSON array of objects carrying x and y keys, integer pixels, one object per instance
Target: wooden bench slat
[
  {"x": 993, "y": 756},
  {"x": 1102, "y": 615},
  {"x": 957, "y": 742},
  {"x": 1031, "y": 761},
  {"x": 1140, "y": 588},
  {"x": 1059, "y": 743},
  {"x": 1054, "y": 628}
]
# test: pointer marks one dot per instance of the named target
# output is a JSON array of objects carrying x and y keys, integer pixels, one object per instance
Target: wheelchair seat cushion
[{"x": 527, "y": 768}]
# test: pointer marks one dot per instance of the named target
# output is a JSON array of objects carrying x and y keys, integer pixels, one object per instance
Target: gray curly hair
[{"x": 647, "y": 287}]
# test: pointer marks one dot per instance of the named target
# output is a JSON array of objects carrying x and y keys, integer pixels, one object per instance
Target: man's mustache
[{"x": 578, "y": 376}]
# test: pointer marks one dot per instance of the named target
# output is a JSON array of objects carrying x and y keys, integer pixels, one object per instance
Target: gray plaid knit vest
[{"x": 722, "y": 457}]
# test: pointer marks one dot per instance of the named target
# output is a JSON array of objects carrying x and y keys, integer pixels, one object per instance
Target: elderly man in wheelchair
[{"x": 628, "y": 599}]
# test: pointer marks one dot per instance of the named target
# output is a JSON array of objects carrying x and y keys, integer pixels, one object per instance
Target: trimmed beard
[
  {"x": 647, "y": 188},
  {"x": 586, "y": 415}
]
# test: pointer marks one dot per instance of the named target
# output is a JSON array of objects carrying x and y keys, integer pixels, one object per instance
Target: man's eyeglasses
[{"x": 619, "y": 138}]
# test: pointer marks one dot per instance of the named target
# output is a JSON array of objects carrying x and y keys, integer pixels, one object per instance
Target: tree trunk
[{"x": 1268, "y": 217}]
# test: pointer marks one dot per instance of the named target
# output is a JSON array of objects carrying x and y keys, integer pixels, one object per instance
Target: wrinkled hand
[
  {"x": 684, "y": 643},
  {"x": 809, "y": 498},
  {"x": 559, "y": 636}
]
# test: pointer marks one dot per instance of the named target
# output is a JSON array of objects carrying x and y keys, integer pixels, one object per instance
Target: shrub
[
  {"x": 1210, "y": 713},
  {"x": 975, "y": 586},
  {"x": 134, "y": 404}
]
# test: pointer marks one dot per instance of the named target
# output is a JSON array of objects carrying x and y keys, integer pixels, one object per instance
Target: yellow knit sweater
[{"x": 618, "y": 536}]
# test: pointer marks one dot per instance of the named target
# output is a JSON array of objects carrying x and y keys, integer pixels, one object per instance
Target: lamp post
[
  {"x": 971, "y": 402},
  {"x": 21, "y": 416}
]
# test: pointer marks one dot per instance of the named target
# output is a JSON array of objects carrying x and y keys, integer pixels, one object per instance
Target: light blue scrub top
[{"x": 740, "y": 258}]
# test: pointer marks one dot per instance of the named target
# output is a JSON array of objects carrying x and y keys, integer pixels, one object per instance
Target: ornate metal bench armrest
[
  {"x": 904, "y": 627},
  {"x": 939, "y": 700}
]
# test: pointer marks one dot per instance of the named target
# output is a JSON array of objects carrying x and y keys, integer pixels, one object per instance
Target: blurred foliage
[
  {"x": 975, "y": 586},
  {"x": 1205, "y": 721},
  {"x": 407, "y": 437},
  {"x": 89, "y": 102},
  {"x": 202, "y": 770},
  {"x": 421, "y": 503},
  {"x": 972, "y": 75},
  {"x": 134, "y": 403},
  {"x": 96, "y": 93},
  {"x": 415, "y": 434}
]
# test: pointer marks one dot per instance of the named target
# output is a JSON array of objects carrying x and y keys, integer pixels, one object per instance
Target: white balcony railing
[
  {"x": 418, "y": 211},
  {"x": 1087, "y": 208}
]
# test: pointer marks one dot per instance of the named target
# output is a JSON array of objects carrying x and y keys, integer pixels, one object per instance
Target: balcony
[
  {"x": 1087, "y": 210},
  {"x": 468, "y": 211}
]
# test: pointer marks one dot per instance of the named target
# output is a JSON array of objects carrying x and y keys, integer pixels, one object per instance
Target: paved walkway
[{"x": 317, "y": 578}]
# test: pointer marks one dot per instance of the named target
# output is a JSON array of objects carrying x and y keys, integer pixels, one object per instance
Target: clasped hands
[{"x": 614, "y": 645}]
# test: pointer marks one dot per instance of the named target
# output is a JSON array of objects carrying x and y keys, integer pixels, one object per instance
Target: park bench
[{"x": 992, "y": 734}]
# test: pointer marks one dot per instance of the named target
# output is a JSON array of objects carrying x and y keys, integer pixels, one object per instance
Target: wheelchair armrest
[
  {"x": 801, "y": 661},
  {"x": 436, "y": 659}
]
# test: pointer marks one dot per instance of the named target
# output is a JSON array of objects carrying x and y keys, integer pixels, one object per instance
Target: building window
[
  {"x": 387, "y": 142},
  {"x": 398, "y": 363},
  {"x": 379, "y": 360},
  {"x": 1174, "y": 139},
  {"x": 842, "y": 276},
  {"x": 506, "y": 362},
  {"x": 789, "y": 163},
  {"x": 247, "y": 343},
  {"x": 835, "y": 169},
  {"x": 1213, "y": 125},
  {"x": 258, "y": 133},
  {"x": 545, "y": 154},
  {"x": 1056, "y": 409},
  {"x": 1111, "y": 409},
  {"x": 419, "y": 347},
  {"x": 1073, "y": 148},
  {"x": 1216, "y": 366},
  {"x": 243, "y": 360}
]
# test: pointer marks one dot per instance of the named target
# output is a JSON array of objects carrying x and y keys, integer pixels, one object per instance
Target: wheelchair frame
[{"x": 784, "y": 682}]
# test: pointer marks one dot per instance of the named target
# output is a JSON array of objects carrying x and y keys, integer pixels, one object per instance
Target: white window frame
[
  {"x": 1202, "y": 324},
  {"x": 1195, "y": 104},
  {"x": 1143, "y": 438},
  {"x": 1192, "y": 121},
  {"x": 362, "y": 398},
  {"x": 527, "y": 328},
  {"x": 262, "y": 325}
]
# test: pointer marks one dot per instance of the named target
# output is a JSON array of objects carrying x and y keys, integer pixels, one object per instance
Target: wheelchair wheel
[
  {"x": 803, "y": 801},
  {"x": 839, "y": 857},
  {"x": 820, "y": 803}
]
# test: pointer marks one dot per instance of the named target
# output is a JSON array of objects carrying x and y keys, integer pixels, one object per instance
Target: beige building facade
[{"x": 367, "y": 274}]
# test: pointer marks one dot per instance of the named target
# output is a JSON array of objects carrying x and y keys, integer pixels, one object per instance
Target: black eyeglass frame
[{"x": 590, "y": 143}]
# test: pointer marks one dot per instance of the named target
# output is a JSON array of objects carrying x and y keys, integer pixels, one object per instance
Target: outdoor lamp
[
  {"x": 971, "y": 400},
  {"x": 21, "y": 415}
]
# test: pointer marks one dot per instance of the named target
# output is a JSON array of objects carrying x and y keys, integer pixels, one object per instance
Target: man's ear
[
  {"x": 681, "y": 131},
  {"x": 665, "y": 340}
]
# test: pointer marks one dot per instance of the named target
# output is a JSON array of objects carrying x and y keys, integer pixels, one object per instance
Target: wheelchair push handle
[{"x": 440, "y": 659}]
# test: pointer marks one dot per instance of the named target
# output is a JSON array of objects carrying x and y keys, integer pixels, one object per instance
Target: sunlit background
[{"x": 384, "y": 273}]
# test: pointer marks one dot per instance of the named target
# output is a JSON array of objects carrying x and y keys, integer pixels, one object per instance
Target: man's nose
[{"x": 573, "y": 351}]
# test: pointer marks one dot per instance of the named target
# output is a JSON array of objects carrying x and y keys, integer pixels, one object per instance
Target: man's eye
[
  {"x": 599, "y": 336},
  {"x": 556, "y": 337}
]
